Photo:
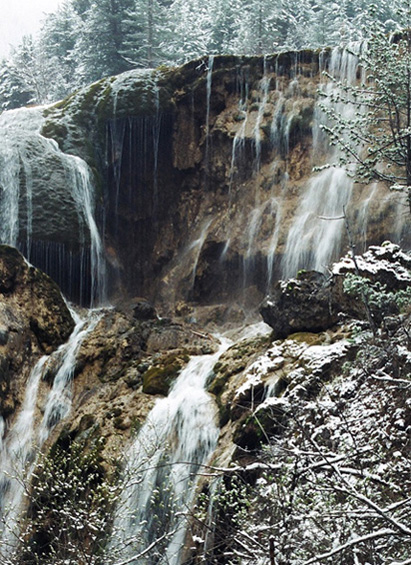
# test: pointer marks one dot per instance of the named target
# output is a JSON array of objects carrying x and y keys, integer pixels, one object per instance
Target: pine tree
[
  {"x": 57, "y": 42},
  {"x": 99, "y": 48},
  {"x": 145, "y": 32},
  {"x": 13, "y": 92},
  {"x": 191, "y": 24},
  {"x": 376, "y": 142}
]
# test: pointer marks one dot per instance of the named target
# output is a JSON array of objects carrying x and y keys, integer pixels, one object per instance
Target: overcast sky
[{"x": 21, "y": 17}]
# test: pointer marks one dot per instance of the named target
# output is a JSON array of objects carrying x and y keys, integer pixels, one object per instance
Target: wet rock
[
  {"x": 143, "y": 310},
  {"x": 267, "y": 421},
  {"x": 34, "y": 319},
  {"x": 314, "y": 302},
  {"x": 4, "y": 336},
  {"x": 303, "y": 304},
  {"x": 12, "y": 266},
  {"x": 159, "y": 378},
  {"x": 36, "y": 297}
]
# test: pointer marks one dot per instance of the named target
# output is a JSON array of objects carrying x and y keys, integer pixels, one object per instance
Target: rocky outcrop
[
  {"x": 34, "y": 319},
  {"x": 304, "y": 304},
  {"x": 314, "y": 302},
  {"x": 307, "y": 414},
  {"x": 200, "y": 177}
]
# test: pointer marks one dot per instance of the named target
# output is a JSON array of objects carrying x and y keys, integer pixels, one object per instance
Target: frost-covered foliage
[
  {"x": 332, "y": 484},
  {"x": 375, "y": 142},
  {"x": 321, "y": 468},
  {"x": 70, "y": 501},
  {"x": 86, "y": 40}
]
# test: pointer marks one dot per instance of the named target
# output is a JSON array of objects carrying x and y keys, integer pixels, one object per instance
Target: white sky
[{"x": 21, "y": 17}]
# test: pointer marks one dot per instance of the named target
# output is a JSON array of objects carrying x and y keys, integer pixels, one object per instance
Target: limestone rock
[
  {"x": 36, "y": 297},
  {"x": 301, "y": 304},
  {"x": 34, "y": 319},
  {"x": 313, "y": 302},
  {"x": 143, "y": 310}
]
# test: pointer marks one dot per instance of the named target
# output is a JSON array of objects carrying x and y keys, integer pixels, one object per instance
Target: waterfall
[
  {"x": 314, "y": 238},
  {"x": 19, "y": 448},
  {"x": 209, "y": 82},
  {"x": 264, "y": 88},
  {"x": 196, "y": 247},
  {"x": 177, "y": 438},
  {"x": 59, "y": 399},
  {"x": 16, "y": 462},
  {"x": 25, "y": 156}
]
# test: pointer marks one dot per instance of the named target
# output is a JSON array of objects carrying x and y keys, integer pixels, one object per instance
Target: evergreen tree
[
  {"x": 13, "y": 92},
  {"x": 191, "y": 24},
  {"x": 145, "y": 33},
  {"x": 57, "y": 42},
  {"x": 377, "y": 139},
  {"x": 30, "y": 66},
  {"x": 256, "y": 27},
  {"x": 99, "y": 48}
]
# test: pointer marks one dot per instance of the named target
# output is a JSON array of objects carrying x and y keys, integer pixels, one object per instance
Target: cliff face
[
  {"x": 191, "y": 163},
  {"x": 193, "y": 187},
  {"x": 202, "y": 187}
]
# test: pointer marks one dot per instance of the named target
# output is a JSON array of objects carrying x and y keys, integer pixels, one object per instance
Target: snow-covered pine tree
[{"x": 377, "y": 138}]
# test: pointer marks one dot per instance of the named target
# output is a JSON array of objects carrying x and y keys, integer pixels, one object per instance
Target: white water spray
[
  {"x": 20, "y": 133},
  {"x": 19, "y": 448},
  {"x": 315, "y": 235},
  {"x": 162, "y": 464}
]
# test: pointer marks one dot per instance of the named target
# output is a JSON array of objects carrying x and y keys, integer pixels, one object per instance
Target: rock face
[
  {"x": 302, "y": 304},
  {"x": 314, "y": 302},
  {"x": 34, "y": 319},
  {"x": 274, "y": 395},
  {"x": 202, "y": 187}
]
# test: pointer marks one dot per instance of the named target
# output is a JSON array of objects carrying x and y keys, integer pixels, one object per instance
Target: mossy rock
[
  {"x": 256, "y": 429},
  {"x": 309, "y": 338},
  {"x": 158, "y": 379}
]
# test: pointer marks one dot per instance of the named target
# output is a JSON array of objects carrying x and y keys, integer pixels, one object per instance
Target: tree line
[{"x": 85, "y": 40}]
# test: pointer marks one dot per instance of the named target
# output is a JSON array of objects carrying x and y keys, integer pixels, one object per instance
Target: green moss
[
  {"x": 55, "y": 130},
  {"x": 158, "y": 379},
  {"x": 308, "y": 337}
]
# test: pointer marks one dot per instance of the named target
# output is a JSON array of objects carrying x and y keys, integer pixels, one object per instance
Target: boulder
[
  {"x": 34, "y": 299},
  {"x": 144, "y": 310},
  {"x": 301, "y": 304},
  {"x": 34, "y": 319},
  {"x": 314, "y": 302}
]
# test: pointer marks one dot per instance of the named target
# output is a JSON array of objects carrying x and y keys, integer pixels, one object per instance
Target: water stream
[
  {"x": 20, "y": 446},
  {"x": 314, "y": 238},
  {"x": 177, "y": 438},
  {"x": 22, "y": 144}
]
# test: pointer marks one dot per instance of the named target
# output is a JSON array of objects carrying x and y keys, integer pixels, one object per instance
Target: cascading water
[
  {"x": 59, "y": 399},
  {"x": 16, "y": 461},
  {"x": 176, "y": 440},
  {"x": 208, "y": 107},
  {"x": 264, "y": 89},
  {"x": 19, "y": 447},
  {"x": 23, "y": 144},
  {"x": 314, "y": 237}
]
